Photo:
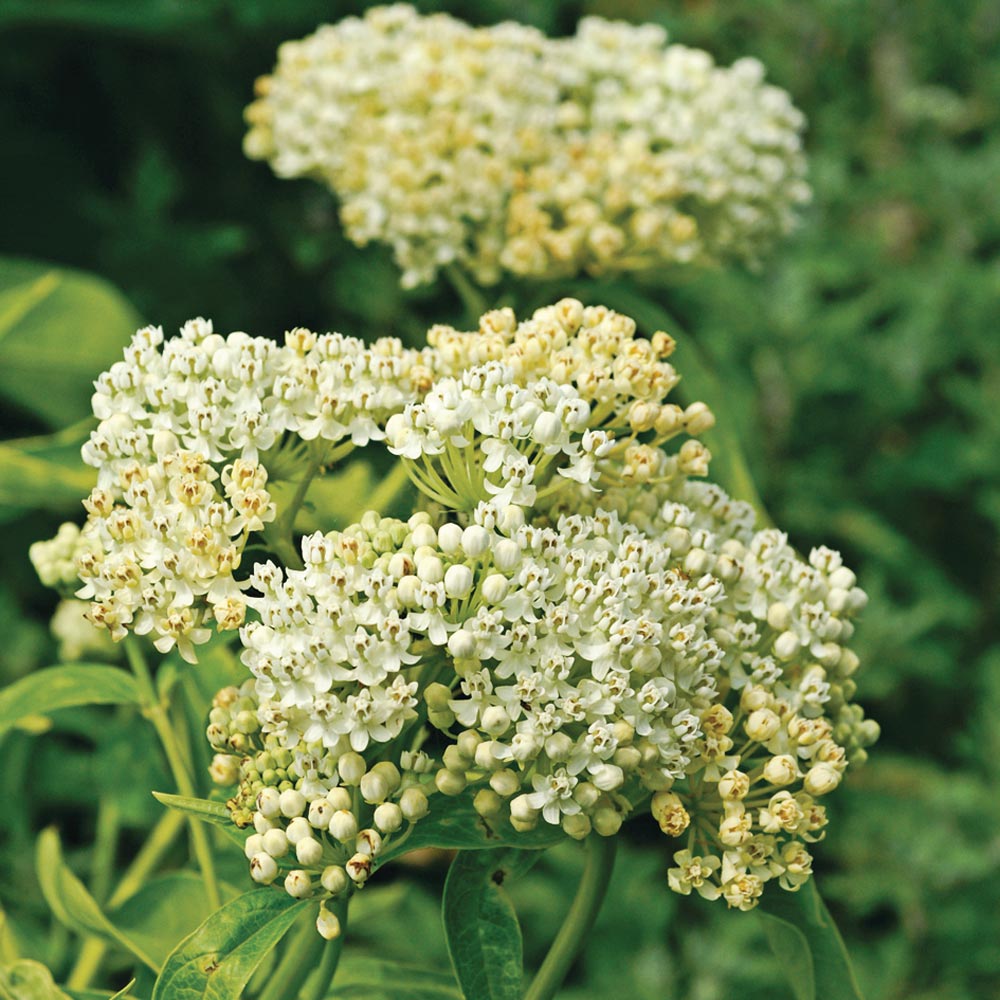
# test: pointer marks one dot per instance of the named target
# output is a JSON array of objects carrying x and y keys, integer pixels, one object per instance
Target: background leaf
[
  {"x": 484, "y": 938},
  {"x": 369, "y": 978},
  {"x": 58, "y": 330},
  {"x": 808, "y": 945},
  {"x": 27, "y": 980},
  {"x": 218, "y": 959},
  {"x": 64, "y": 687}
]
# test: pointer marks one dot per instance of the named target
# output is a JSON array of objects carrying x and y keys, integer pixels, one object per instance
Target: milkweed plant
[{"x": 549, "y": 622}]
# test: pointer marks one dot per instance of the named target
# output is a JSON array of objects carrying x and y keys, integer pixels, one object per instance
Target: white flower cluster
[
  {"x": 168, "y": 545},
  {"x": 498, "y": 149},
  {"x": 237, "y": 396}
]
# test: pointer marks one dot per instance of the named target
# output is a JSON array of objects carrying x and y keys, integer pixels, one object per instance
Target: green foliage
[
  {"x": 65, "y": 687},
  {"x": 218, "y": 959},
  {"x": 370, "y": 978},
  {"x": 808, "y": 945},
  {"x": 484, "y": 939},
  {"x": 27, "y": 980}
]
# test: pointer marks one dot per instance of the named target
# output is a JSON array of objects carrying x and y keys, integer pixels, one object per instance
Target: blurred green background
[{"x": 862, "y": 368}]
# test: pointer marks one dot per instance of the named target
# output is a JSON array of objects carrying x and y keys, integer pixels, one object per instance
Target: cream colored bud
[
  {"x": 698, "y": 418},
  {"x": 786, "y": 645},
  {"x": 343, "y": 825},
  {"x": 506, "y": 554},
  {"x": 430, "y": 569},
  {"x": 475, "y": 540},
  {"x": 389, "y": 773},
  {"x": 269, "y": 802},
  {"x": 334, "y": 880},
  {"x": 522, "y": 810},
  {"x": 309, "y": 851},
  {"x": 505, "y": 783},
  {"x": 762, "y": 725},
  {"x": 292, "y": 802},
  {"x": 320, "y": 811},
  {"x": 781, "y": 770},
  {"x": 263, "y": 868},
  {"x": 607, "y": 821},
  {"x": 734, "y": 785},
  {"x": 449, "y": 538},
  {"x": 413, "y": 804},
  {"x": 374, "y": 788},
  {"x": 298, "y": 884},
  {"x": 368, "y": 842},
  {"x": 388, "y": 817},
  {"x": 225, "y": 769},
  {"x": 297, "y": 829},
  {"x": 495, "y": 720},
  {"x": 359, "y": 868},
  {"x": 327, "y": 924},
  {"x": 254, "y": 844},
  {"x": 779, "y": 617},
  {"x": 339, "y": 798},
  {"x": 627, "y": 758},
  {"x": 754, "y": 698},
  {"x": 558, "y": 746},
  {"x": 669, "y": 812},
  {"x": 495, "y": 588},
  {"x": 462, "y": 644},
  {"x": 275, "y": 843},
  {"x": 587, "y": 794},
  {"x": 485, "y": 757},
  {"x": 450, "y": 782},
  {"x": 487, "y": 803},
  {"x": 458, "y": 581},
  {"x": 351, "y": 767},
  {"x": 577, "y": 826},
  {"x": 437, "y": 696},
  {"x": 821, "y": 779}
]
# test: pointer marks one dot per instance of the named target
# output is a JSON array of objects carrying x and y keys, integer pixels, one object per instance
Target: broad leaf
[
  {"x": 65, "y": 687},
  {"x": 218, "y": 959},
  {"x": 454, "y": 824},
  {"x": 163, "y": 912},
  {"x": 808, "y": 945},
  {"x": 27, "y": 980},
  {"x": 364, "y": 977},
  {"x": 58, "y": 330},
  {"x": 70, "y": 901},
  {"x": 481, "y": 928}
]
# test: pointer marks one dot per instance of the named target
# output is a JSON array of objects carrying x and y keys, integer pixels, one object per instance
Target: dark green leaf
[
  {"x": 218, "y": 959},
  {"x": 70, "y": 901},
  {"x": 207, "y": 810},
  {"x": 64, "y": 687},
  {"x": 484, "y": 938},
  {"x": 365, "y": 977},
  {"x": 58, "y": 330},
  {"x": 808, "y": 945}
]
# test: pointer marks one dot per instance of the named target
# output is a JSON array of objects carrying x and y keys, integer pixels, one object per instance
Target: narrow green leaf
[
  {"x": 483, "y": 935},
  {"x": 65, "y": 687},
  {"x": 455, "y": 825},
  {"x": 366, "y": 977},
  {"x": 43, "y": 481},
  {"x": 70, "y": 901},
  {"x": 808, "y": 945},
  {"x": 218, "y": 959},
  {"x": 125, "y": 991},
  {"x": 27, "y": 980},
  {"x": 58, "y": 330},
  {"x": 207, "y": 810}
]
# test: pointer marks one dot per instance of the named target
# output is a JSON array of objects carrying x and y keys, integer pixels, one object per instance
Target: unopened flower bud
[
  {"x": 263, "y": 868},
  {"x": 450, "y": 782},
  {"x": 487, "y": 803},
  {"x": 821, "y": 779},
  {"x": 495, "y": 588},
  {"x": 359, "y": 868},
  {"x": 351, "y": 767},
  {"x": 292, "y": 802},
  {"x": 368, "y": 842},
  {"x": 413, "y": 804},
  {"x": 388, "y": 817},
  {"x": 320, "y": 811},
  {"x": 298, "y": 884},
  {"x": 343, "y": 825},
  {"x": 275, "y": 843},
  {"x": 458, "y": 581},
  {"x": 297, "y": 829},
  {"x": 334, "y": 880},
  {"x": 269, "y": 802},
  {"x": 327, "y": 923},
  {"x": 607, "y": 821},
  {"x": 762, "y": 725},
  {"x": 734, "y": 785},
  {"x": 781, "y": 770},
  {"x": 505, "y": 783},
  {"x": 374, "y": 788},
  {"x": 577, "y": 826}
]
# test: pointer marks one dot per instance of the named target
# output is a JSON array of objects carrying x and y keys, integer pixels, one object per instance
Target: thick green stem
[
  {"x": 150, "y": 854},
  {"x": 307, "y": 953},
  {"x": 154, "y": 710},
  {"x": 597, "y": 867}
]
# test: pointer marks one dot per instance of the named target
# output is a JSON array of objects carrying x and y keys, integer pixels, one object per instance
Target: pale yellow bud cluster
[{"x": 498, "y": 149}]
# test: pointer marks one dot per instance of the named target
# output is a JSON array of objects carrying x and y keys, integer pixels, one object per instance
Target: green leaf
[
  {"x": 163, "y": 912},
  {"x": 125, "y": 991},
  {"x": 40, "y": 481},
  {"x": 65, "y": 687},
  {"x": 364, "y": 977},
  {"x": 218, "y": 959},
  {"x": 207, "y": 810},
  {"x": 808, "y": 945},
  {"x": 58, "y": 330},
  {"x": 483, "y": 935},
  {"x": 454, "y": 824},
  {"x": 27, "y": 980},
  {"x": 70, "y": 901}
]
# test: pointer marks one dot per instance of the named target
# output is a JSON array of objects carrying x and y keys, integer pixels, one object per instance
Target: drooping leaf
[
  {"x": 27, "y": 980},
  {"x": 207, "y": 810},
  {"x": 808, "y": 945},
  {"x": 41, "y": 481},
  {"x": 365, "y": 977},
  {"x": 218, "y": 959},
  {"x": 65, "y": 687},
  {"x": 455, "y": 825},
  {"x": 481, "y": 928},
  {"x": 58, "y": 330},
  {"x": 72, "y": 904}
]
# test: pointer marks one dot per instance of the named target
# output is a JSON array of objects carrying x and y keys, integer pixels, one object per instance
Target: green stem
[
  {"x": 150, "y": 854},
  {"x": 154, "y": 710},
  {"x": 305, "y": 954},
  {"x": 599, "y": 862},
  {"x": 472, "y": 298}
]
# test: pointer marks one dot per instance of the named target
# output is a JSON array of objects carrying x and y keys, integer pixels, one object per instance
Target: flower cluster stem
[
  {"x": 597, "y": 867},
  {"x": 154, "y": 709}
]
